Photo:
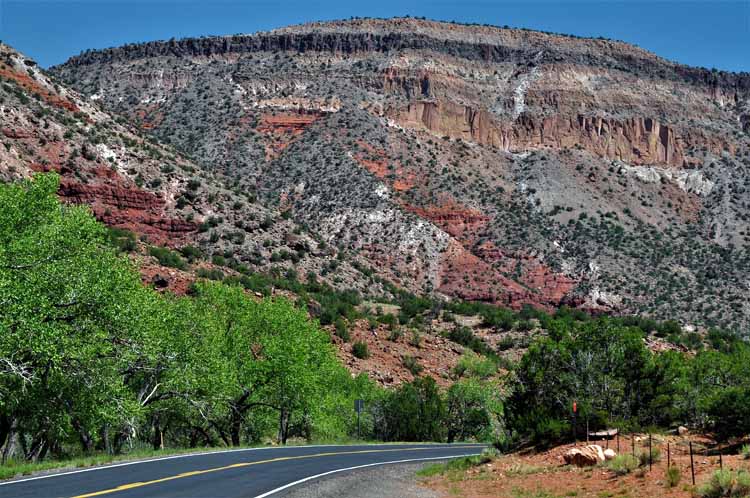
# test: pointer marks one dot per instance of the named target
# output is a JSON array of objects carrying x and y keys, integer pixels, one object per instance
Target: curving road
[{"x": 247, "y": 473}]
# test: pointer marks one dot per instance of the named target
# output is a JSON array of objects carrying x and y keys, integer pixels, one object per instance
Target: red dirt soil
[{"x": 532, "y": 475}]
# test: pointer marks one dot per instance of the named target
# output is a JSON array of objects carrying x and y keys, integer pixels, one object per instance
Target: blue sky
[{"x": 702, "y": 33}]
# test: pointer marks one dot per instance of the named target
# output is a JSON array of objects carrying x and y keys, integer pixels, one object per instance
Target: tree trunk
[
  {"x": 11, "y": 441},
  {"x": 87, "y": 444},
  {"x": 37, "y": 449},
  {"x": 158, "y": 441},
  {"x": 235, "y": 429},
  {"x": 283, "y": 426}
]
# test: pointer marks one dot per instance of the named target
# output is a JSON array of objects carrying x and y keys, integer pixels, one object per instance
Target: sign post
[{"x": 359, "y": 405}]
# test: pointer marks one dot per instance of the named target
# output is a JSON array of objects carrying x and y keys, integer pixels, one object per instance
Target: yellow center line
[{"x": 133, "y": 485}]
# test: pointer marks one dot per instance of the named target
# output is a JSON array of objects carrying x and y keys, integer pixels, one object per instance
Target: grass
[
  {"x": 623, "y": 464},
  {"x": 725, "y": 483},
  {"x": 672, "y": 477},
  {"x": 456, "y": 465},
  {"x": 15, "y": 468},
  {"x": 644, "y": 456},
  {"x": 522, "y": 493}
]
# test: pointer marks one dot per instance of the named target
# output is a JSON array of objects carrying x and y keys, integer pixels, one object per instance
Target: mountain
[
  {"x": 499, "y": 165},
  {"x": 152, "y": 193}
]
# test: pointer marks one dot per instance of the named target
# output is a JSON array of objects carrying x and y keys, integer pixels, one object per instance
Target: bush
[
  {"x": 213, "y": 274},
  {"x": 342, "y": 331},
  {"x": 412, "y": 365},
  {"x": 745, "y": 452},
  {"x": 191, "y": 253},
  {"x": 123, "y": 240},
  {"x": 359, "y": 350},
  {"x": 413, "y": 412},
  {"x": 725, "y": 483},
  {"x": 673, "y": 476},
  {"x": 167, "y": 257},
  {"x": 395, "y": 334},
  {"x": 623, "y": 464},
  {"x": 643, "y": 457}
]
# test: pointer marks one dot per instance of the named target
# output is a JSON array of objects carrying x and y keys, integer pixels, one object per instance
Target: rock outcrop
[{"x": 585, "y": 456}]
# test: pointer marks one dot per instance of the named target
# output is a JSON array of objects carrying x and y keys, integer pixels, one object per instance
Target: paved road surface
[{"x": 250, "y": 473}]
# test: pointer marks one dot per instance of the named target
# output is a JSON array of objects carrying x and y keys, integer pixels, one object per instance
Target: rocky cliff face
[
  {"x": 500, "y": 165},
  {"x": 137, "y": 184}
]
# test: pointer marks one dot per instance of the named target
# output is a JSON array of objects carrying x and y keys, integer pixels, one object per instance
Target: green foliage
[
  {"x": 644, "y": 457},
  {"x": 672, "y": 476},
  {"x": 465, "y": 336},
  {"x": 475, "y": 410},
  {"x": 412, "y": 364},
  {"x": 726, "y": 484},
  {"x": 167, "y": 257},
  {"x": 745, "y": 452},
  {"x": 123, "y": 240},
  {"x": 604, "y": 365},
  {"x": 472, "y": 365},
  {"x": 216, "y": 367},
  {"x": 413, "y": 412},
  {"x": 342, "y": 330},
  {"x": 191, "y": 253},
  {"x": 359, "y": 350},
  {"x": 623, "y": 464}
]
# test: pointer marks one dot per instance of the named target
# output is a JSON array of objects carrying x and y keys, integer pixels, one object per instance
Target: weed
[
  {"x": 673, "y": 476},
  {"x": 725, "y": 483},
  {"x": 623, "y": 464}
]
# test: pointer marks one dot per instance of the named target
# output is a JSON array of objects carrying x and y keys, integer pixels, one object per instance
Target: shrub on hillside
[
  {"x": 673, "y": 476},
  {"x": 623, "y": 464},
  {"x": 359, "y": 350},
  {"x": 167, "y": 257},
  {"x": 726, "y": 483}
]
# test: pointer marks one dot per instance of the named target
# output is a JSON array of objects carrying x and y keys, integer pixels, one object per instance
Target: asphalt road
[{"x": 251, "y": 473}]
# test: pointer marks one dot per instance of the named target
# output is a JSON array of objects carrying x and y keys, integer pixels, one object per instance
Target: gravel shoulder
[{"x": 384, "y": 481}]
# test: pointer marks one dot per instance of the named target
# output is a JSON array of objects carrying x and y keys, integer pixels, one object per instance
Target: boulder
[
  {"x": 682, "y": 430},
  {"x": 585, "y": 456},
  {"x": 609, "y": 454}
]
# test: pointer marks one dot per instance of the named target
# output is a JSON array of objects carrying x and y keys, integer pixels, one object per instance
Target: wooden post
[
  {"x": 669, "y": 460},
  {"x": 650, "y": 457},
  {"x": 587, "y": 429},
  {"x": 632, "y": 442},
  {"x": 692, "y": 467},
  {"x": 721, "y": 462},
  {"x": 618, "y": 441}
]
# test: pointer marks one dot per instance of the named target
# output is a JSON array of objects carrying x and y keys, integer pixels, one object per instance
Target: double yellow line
[{"x": 245, "y": 464}]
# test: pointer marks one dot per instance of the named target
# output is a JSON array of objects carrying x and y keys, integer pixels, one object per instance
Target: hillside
[
  {"x": 135, "y": 183},
  {"x": 500, "y": 165}
]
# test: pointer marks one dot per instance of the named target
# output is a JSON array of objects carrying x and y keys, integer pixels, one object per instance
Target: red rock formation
[
  {"x": 282, "y": 128},
  {"x": 15, "y": 133},
  {"x": 119, "y": 205},
  {"x": 455, "y": 219},
  {"x": 376, "y": 162},
  {"x": 642, "y": 140},
  {"x": 31, "y": 85},
  {"x": 287, "y": 122}
]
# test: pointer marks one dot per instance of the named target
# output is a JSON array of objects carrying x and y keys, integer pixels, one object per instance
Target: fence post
[
  {"x": 618, "y": 441},
  {"x": 632, "y": 442},
  {"x": 721, "y": 463},
  {"x": 650, "y": 457},
  {"x": 692, "y": 467}
]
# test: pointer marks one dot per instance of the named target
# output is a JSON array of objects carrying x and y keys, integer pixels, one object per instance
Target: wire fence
[{"x": 677, "y": 458}]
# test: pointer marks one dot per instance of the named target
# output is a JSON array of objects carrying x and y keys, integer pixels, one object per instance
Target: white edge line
[
  {"x": 286, "y": 486},
  {"x": 171, "y": 457}
]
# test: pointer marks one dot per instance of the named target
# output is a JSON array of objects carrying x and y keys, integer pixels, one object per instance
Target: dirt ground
[{"x": 544, "y": 475}]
